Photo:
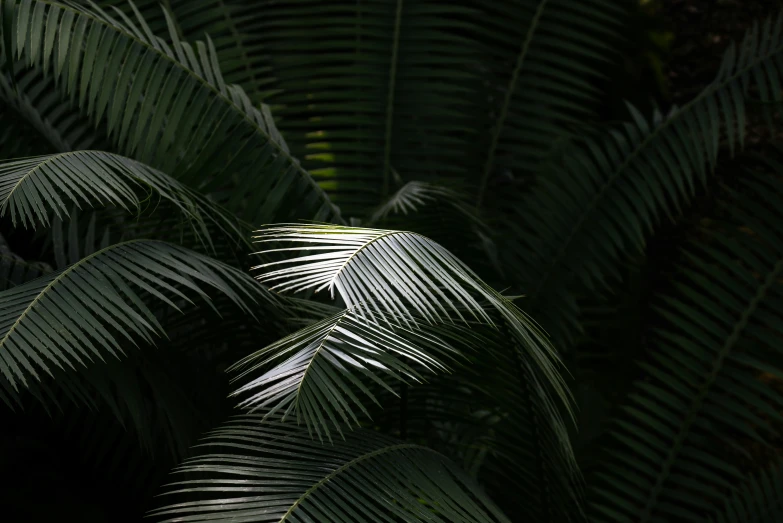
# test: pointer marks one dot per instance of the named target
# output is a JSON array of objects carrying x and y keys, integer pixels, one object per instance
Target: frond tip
[{"x": 367, "y": 477}]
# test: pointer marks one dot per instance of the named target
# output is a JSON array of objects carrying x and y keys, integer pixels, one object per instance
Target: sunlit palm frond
[
  {"x": 320, "y": 373},
  {"x": 78, "y": 314},
  {"x": 398, "y": 273},
  {"x": 366, "y": 477}
]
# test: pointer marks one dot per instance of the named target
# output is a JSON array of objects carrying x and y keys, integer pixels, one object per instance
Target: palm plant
[{"x": 399, "y": 163}]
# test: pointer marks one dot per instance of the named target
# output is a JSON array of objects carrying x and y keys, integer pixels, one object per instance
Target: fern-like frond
[
  {"x": 166, "y": 104},
  {"x": 398, "y": 273},
  {"x": 81, "y": 313},
  {"x": 609, "y": 193},
  {"x": 243, "y": 62},
  {"x": 705, "y": 395},
  {"x": 366, "y": 477}
]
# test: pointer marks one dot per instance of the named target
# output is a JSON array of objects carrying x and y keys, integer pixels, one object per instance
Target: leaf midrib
[{"x": 355, "y": 253}]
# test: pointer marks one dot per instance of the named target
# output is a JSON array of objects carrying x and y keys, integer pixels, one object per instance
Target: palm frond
[
  {"x": 366, "y": 477},
  {"x": 75, "y": 315},
  {"x": 392, "y": 93},
  {"x": 413, "y": 196},
  {"x": 397, "y": 273},
  {"x": 146, "y": 81},
  {"x": 607, "y": 195},
  {"x": 32, "y": 188},
  {"x": 443, "y": 214},
  {"x": 318, "y": 371},
  {"x": 404, "y": 283},
  {"x": 706, "y": 397},
  {"x": 490, "y": 419},
  {"x": 243, "y": 62}
]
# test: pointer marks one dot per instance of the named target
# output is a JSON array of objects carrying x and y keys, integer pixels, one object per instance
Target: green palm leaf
[
  {"x": 397, "y": 273},
  {"x": 243, "y": 62},
  {"x": 704, "y": 391},
  {"x": 316, "y": 368},
  {"x": 146, "y": 82},
  {"x": 75, "y": 315},
  {"x": 367, "y": 477},
  {"x": 32, "y": 188}
]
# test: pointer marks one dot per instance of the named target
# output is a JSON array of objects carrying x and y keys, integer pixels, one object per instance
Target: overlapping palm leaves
[
  {"x": 365, "y": 477},
  {"x": 392, "y": 94},
  {"x": 142, "y": 82}
]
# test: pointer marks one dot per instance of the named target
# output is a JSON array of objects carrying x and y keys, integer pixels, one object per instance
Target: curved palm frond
[
  {"x": 366, "y": 477},
  {"x": 147, "y": 91},
  {"x": 398, "y": 273},
  {"x": 758, "y": 500},
  {"x": 74, "y": 315},
  {"x": 316, "y": 368},
  {"x": 706, "y": 393},
  {"x": 606, "y": 195},
  {"x": 31, "y": 188},
  {"x": 404, "y": 282}
]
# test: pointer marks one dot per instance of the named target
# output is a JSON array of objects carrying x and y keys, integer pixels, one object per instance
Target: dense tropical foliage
[{"x": 482, "y": 291}]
